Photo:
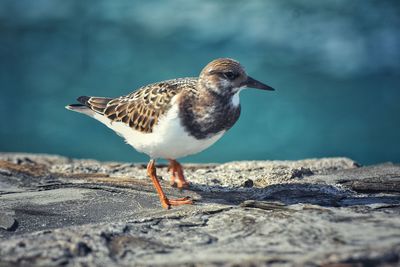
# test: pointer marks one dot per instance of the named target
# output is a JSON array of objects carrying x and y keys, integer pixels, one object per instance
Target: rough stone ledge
[{"x": 60, "y": 211}]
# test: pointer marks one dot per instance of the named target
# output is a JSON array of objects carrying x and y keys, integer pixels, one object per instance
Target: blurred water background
[{"x": 335, "y": 65}]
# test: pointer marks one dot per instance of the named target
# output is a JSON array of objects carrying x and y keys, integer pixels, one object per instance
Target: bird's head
[{"x": 225, "y": 76}]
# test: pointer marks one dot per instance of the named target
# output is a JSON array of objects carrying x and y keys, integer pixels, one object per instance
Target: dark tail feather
[
  {"x": 80, "y": 108},
  {"x": 83, "y": 100},
  {"x": 88, "y": 105}
]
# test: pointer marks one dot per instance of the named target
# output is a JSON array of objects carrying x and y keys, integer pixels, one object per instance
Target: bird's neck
[
  {"x": 218, "y": 94},
  {"x": 207, "y": 113}
]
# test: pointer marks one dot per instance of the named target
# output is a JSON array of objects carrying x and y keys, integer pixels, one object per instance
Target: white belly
[{"x": 168, "y": 140}]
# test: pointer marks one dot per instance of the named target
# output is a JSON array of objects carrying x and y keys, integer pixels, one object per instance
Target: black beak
[{"x": 252, "y": 83}]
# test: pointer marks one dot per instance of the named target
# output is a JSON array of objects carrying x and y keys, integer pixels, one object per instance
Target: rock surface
[{"x": 59, "y": 211}]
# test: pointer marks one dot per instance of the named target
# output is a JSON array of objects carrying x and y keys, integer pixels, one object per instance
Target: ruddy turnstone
[{"x": 175, "y": 118}]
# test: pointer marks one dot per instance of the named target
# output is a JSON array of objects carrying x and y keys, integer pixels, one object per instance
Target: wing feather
[{"x": 141, "y": 109}]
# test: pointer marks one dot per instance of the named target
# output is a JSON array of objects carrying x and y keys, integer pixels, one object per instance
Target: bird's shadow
[{"x": 293, "y": 193}]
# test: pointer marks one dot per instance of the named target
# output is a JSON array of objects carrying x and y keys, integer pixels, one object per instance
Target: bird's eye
[{"x": 230, "y": 75}]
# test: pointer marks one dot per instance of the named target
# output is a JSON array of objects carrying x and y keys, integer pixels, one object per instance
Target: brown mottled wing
[
  {"x": 142, "y": 109},
  {"x": 97, "y": 104}
]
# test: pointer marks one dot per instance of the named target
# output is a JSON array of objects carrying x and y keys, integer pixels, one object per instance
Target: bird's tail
[
  {"x": 80, "y": 108},
  {"x": 89, "y": 105}
]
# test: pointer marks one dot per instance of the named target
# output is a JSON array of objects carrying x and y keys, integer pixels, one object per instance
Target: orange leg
[
  {"x": 165, "y": 202},
  {"x": 177, "y": 177}
]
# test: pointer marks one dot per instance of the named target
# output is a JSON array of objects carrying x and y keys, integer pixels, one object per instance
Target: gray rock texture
[{"x": 56, "y": 211}]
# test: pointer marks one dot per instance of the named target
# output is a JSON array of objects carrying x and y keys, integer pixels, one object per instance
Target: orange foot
[
  {"x": 177, "y": 177},
  {"x": 165, "y": 202},
  {"x": 178, "y": 201}
]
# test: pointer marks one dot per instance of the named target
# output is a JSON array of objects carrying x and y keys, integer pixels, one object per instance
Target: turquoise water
[{"x": 335, "y": 65}]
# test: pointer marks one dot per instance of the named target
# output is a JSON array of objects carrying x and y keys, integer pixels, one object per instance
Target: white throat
[{"x": 236, "y": 98}]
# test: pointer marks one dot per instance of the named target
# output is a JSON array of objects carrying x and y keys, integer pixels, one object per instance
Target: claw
[{"x": 180, "y": 201}]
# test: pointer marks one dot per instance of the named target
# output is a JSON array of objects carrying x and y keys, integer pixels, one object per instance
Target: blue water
[{"x": 335, "y": 65}]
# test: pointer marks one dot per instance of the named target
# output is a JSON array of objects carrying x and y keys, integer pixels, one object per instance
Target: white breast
[{"x": 168, "y": 140}]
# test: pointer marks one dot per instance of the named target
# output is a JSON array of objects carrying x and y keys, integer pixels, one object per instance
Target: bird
[{"x": 175, "y": 118}]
